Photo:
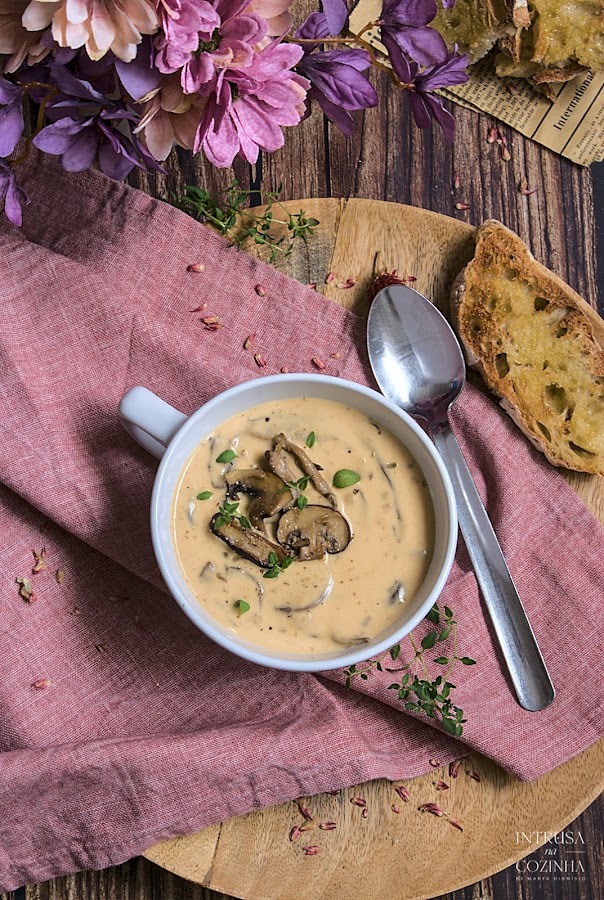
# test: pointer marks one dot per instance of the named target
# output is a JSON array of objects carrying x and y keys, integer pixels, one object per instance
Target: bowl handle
[{"x": 149, "y": 420}]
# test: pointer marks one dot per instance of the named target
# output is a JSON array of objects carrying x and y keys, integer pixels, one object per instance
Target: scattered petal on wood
[
  {"x": 454, "y": 768},
  {"x": 196, "y": 267},
  {"x": 434, "y": 763},
  {"x": 441, "y": 786},
  {"x": 318, "y": 363},
  {"x": 312, "y": 851},
  {"x": 456, "y": 182},
  {"x": 40, "y": 562},
  {"x": 409, "y": 279},
  {"x": 474, "y": 776},
  {"x": 365, "y": 813},
  {"x": 395, "y": 809},
  {"x": 328, "y": 826},
  {"x": 260, "y": 290},
  {"x": 333, "y": 793},
  {"x": 60, "y": 576},
  {"x": 403, "y": 793},
  {"x": 331, "y": 276},
  {"x": 295, "y": 833},
  {"x": 505, "y": 154},
  {"x": 344, "y": 285},
  {"x": 247, "y": 344},
  {"x": 312, "y": 285},
  {"x": 358, "y": 801},
  {"x": 42, "y": 683},
  {"x": 455, "y": 824},
  {"x": 431, "y": 808},
  {"x": 259, "y": 360},
  {"x": 492, "y": 135},
  {"x": 462, "y": 206},
  {"x": 523, "y": 188},
  {"x": 304, "y": 810},
  {"x": 308, "y": 826}
]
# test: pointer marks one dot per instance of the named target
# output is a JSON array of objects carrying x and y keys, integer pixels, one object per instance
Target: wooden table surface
[{"x": 388, "y": 158}]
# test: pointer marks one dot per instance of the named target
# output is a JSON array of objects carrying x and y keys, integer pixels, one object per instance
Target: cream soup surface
[{"x": 314, "y": 606}]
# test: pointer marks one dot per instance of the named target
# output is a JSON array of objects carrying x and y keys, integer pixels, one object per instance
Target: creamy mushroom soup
[{"x": 302, "y": 526}]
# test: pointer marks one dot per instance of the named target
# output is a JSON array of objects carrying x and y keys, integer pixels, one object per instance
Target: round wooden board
[{"x": 408, "y": 855}]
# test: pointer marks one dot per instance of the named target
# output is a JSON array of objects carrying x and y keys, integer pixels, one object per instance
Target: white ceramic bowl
[{"x": 172, "y": 437}]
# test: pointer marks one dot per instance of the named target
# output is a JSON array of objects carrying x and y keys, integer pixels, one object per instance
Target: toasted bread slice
[{"x": 537, "y": 344}]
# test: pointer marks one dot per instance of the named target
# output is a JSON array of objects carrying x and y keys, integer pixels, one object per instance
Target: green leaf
[
  {"x": 395, "y": 651},
  {"x": 242, "y": 607},
  {"x": 302, "y": 483},
  {"x": 312, "y": 222},
  {"x": 429, "y": 640},
  {"x": 442, "y": 660},
  {"x": 205, "y": 495},
  {"x": 311, "y": 440},
  {"x": 449, "y": 726},
  {"x": 378, "y": 666},
  {"x": 448, "y": 612},
  {"x": 244, "y": 522},
  {"x": 272, "y": 573},
  {"x": 272, "y": 559},
  {"x": 345, "y": 478},
  {"x": 220, "y": 521},
  {"x": 226, "y": 456},
  {"x": 302, "y": 502},
  {"x": 287, "y": 563},
  {"x": 444, "y": 633},
  {"x": 434, "y": 615},
  {"x": 466, "y": 661}
]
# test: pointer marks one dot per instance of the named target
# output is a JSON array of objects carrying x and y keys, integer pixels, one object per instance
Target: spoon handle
[{"x": 525, "y": 663}]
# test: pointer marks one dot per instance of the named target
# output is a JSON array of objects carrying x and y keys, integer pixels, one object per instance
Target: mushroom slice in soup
[
  {"x": 314, "y": 531},
  {"x": 307, "y": 466},
  {"x": 270, "y": 493},
  {"x": 247, "y": 542}
]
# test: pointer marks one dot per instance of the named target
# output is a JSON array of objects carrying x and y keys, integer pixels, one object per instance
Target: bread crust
[{"x": 483, "y": 331}]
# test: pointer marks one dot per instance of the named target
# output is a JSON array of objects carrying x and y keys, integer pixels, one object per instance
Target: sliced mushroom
[
  {"x": 307, "y": 466},
  {"x": 277, "y": 460},
  {"x": 270, "y": 493},
  {"x": 247, "y": 542},
  {"x": 313, "y": 531}
]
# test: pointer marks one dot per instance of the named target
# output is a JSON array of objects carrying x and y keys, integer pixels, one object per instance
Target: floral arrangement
[{"x": 119, "y": 82}]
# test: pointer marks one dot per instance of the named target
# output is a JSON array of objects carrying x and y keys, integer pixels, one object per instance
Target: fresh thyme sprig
[
  {"x": 276, "y": 567},
  {"x": 420, "y": 692},
  {"x": 229, "y": 215},
  {"x": 229, "y": 511},
  {"x": 298, "y": 487}
]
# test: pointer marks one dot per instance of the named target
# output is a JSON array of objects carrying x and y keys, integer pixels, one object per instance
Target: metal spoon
[{"x": 418, "y": 364}]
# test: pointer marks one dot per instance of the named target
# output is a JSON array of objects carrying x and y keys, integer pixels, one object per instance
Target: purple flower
[
  {"x": 336, "y": 14},
  {"x": 200, "y": 38},
  {"x": 86, "y": 125},
  {"x": 335, "y": 75},
  {"x": 424, "y": 106},
  {"x": 247, "y": 108},
  {"x": 403, "y": 25},
  {"x": 12, "y": 193},
  {"x": 11, "y": 117}
]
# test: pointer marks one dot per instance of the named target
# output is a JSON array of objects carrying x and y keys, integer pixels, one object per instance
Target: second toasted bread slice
[{"x": 537, "y": 344}]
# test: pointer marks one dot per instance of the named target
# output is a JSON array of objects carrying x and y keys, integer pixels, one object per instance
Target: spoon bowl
[{"x": 418, "y": 364}]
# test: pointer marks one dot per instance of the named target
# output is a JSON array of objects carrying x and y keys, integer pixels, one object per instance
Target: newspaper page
[{"x": 572, "y": 125}]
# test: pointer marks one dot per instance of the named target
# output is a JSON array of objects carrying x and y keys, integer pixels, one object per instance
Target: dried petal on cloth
[{"x": 163, "y": 732}]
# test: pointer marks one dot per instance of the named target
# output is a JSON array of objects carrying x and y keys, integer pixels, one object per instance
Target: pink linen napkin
[{"x": 120, "y": 724}]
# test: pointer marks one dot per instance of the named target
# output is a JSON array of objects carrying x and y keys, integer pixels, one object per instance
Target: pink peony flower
[
  {"x": 99, "y": 25},
  {"x": 170, "y": 117},
  {"x": 276, "y": 12},
  {"x": 200, "y": 37},
  {"x": 15, "y": 40},
  {"x": 247, "y": 108}
]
